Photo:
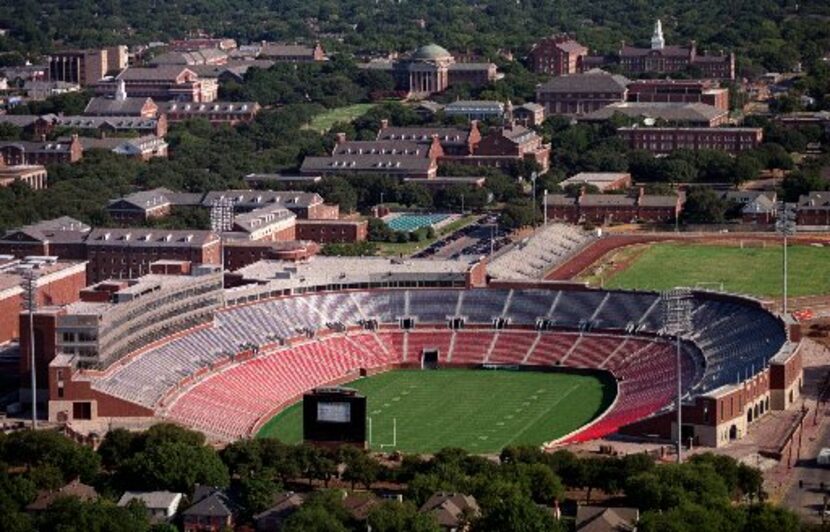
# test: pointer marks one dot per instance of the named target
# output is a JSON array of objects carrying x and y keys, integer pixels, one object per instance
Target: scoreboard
[{"x": 334, "y": 416}]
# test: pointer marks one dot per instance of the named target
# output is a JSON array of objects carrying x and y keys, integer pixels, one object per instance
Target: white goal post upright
[{"x": 394, "y": 433}]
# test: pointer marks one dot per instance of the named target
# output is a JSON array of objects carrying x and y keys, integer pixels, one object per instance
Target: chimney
[
  {"x": 341, "y": 138},
  {"x": 384, "y": 123}
]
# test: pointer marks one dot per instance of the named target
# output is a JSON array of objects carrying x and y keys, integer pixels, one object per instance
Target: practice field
[
  {"x": 479, "y": 410},
  {"x": 752, "y": 270},
  {"x": 324, "y": 121}
]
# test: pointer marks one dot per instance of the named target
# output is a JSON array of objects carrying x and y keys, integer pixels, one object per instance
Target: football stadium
[{"x": 446, "y": 352}]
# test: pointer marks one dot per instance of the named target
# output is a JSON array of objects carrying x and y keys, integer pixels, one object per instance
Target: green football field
[
  {"x": 479, "y": 410},
  {"x": 751, "y": 270}
]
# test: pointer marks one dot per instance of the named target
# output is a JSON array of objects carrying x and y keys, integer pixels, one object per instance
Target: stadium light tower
[
  {"x": 533, "y": 177},
  {"x": 677, "y": 319},
  {"x": 29, "y": 285},
  {"x": 221, "y": 220},
  {"x": 785, "y": 225}
]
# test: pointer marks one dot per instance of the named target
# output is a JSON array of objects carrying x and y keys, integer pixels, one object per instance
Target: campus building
[
  {"x": 614, "y": 208},
  {"x": 164, "y": 82},
  {"x": 431, "y": 69},
  {"x": 558, "y": 55},
  {"x": 663, "y": 59},
  {"x": 577, "y": 94},
  {"x": 663, "y": 140}
]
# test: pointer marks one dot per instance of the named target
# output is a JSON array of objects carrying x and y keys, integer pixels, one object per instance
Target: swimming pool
[{"x": 411, "y": 222}]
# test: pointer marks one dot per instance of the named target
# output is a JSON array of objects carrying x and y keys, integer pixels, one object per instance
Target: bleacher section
[
  {"x": 199, "y": 379},
  {"x": 534, "y": 257}
]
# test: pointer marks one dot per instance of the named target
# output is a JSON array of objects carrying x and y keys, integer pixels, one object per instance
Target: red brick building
[
  {"x": 813, "y": 209},
  {"x": 128, "y": 253},
  {"x": 332, "y": 231},
  {"x": 665, "y": 140},
  {"x": 558, "y": 55},
  {"x": 505, "y": 147},
  {"x": 164, "y": 82},
  {"x": 44, "y": 152},
  {"x": 678, "y": 91},
  {"x": 231, "y": 113},
  {"x": 61, "y": 237},
  {"x": 240, "y": 253},
  {"x": 663, "y": 59},
  {"x": 614, "y": 208},
  {"x": 577, "y": 94},
  {"x": 292, "y": 53}
]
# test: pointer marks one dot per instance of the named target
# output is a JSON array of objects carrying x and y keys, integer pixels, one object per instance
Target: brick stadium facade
[{"x": 58, "y": 283}]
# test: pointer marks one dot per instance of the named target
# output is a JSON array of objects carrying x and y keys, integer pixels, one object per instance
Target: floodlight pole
[
  {"x": 533, "y": 177},
  {"x": 677, "y": 318},
  {"x": 29, "y": 285},
  {"x": 545, "y": 206},
  {"x": 221, "y": 220},
  {"x": 786, "y": 225}
]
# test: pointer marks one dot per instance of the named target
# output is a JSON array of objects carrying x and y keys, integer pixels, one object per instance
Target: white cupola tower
[
  {"x": 121, "y": 91},
  {"x": 657, "y": 40}
]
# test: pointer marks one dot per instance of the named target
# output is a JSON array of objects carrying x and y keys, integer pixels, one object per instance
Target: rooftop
[
  {"x": 431, "y": 52},
  {"x": 670, "y": 112},
  {"x": 592, "y": 81},
  {"x": 322, "y": 270}
]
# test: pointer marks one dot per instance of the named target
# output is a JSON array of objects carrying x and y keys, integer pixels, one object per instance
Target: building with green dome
[{"x": 431, "y": 69}]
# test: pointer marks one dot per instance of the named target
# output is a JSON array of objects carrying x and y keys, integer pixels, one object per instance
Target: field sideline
[
  {"x": 753, "y": 270},
  {"x": 480, "y": 410}
]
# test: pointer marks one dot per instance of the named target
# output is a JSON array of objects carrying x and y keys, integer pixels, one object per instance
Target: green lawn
[
  {"x": 479, "y": 410},
  {"x": 752, "y": 270},
  {"x": 324, "y": 121}
]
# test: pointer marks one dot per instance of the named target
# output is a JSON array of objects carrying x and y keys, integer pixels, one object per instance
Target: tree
[
  {"x": 322, "y": 512},
  {"x": 544, "y": 485},
  {"x": 518, "y": 214},
  {"x": 361, "y": 468},
  {"x": 116, "y": 447},
  {"x": 174, "y": 466},
  {"x": 257, "y": 493},
  {"x": 392, "y": 516},
  {"x": 49, "y": 448},
  {"x": 72, "y": 515},
  {"x": 414, "y": 195},
  {"x": 516, "y": 513},
  {"x": 746, "y": 168},
  {"x": 703, "y": 205},
  {"x": 379, "y": 231},
  {"x": 801, "y": 182}
]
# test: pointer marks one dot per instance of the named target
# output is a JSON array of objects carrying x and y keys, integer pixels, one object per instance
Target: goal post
[{"x": 394, "y": 443}]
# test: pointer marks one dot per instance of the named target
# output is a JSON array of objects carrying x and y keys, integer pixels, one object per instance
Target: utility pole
[
  {"x": 29, "y": 285},
  {"x": 677, "y": 320},
  {"x": 786, "y": 226},
  {"x": 545, "y": 206}
]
